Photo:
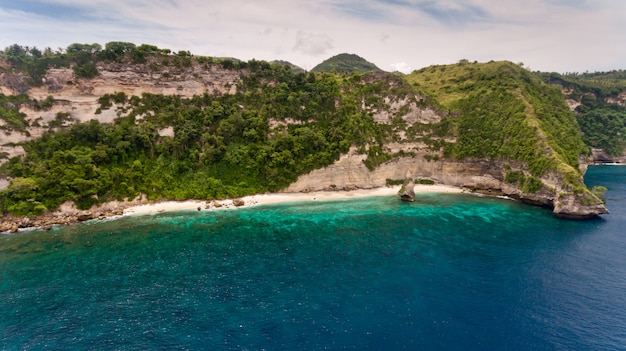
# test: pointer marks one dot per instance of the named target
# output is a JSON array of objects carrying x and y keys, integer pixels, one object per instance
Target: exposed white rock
[
  {"x": 414, "y": 114},
  {"x": 79, "y": 97},
  {"x": 169, "y": 131}
]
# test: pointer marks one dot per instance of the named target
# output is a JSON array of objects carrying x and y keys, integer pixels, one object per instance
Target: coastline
[
  {"x": 273, "y": 198},
  {"x": 117, "y": 209}
]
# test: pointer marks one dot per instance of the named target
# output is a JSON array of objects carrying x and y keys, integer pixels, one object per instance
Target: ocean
[{"x": 447, "y": 272}]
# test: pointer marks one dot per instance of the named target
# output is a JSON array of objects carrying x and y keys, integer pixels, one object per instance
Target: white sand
[{"x": 254, "y": 200}]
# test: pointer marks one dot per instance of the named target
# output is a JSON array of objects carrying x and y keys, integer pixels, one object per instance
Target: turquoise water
[{"x": 448, "y": 272}]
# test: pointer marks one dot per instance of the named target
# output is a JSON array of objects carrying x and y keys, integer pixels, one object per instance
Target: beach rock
[
  {"x": 238, "y": 202},
  {"x": 9, "y": 226},
  {"x": 407, "y": 192},
  {"x": 85, "y": 216},
  {"x": 25, "y": 222},
  {"x": 217, "y": 204}
]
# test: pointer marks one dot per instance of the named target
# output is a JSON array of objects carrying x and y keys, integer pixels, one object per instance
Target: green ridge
[{"x": 345, "y": 63}]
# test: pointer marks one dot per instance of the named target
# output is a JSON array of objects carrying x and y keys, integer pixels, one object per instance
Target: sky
[{"x": 396, "y": 35}]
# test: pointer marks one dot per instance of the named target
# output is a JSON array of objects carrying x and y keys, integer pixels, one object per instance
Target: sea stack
[{"x": 407, "y": 192}]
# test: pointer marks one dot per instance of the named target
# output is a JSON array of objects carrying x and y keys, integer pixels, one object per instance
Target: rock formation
[
  {"x": 407, "y": 192},
  {"x": 78, "y": 98}
]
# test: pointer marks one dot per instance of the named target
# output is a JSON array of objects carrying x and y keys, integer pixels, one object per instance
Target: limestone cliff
[
  {"x": 420, "y": 156},
  {"x": 77, "y": 98},
  {"x": 482, "y": 176}
]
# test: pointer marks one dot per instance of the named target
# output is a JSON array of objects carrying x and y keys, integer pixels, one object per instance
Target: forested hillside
[
  {"x": 273, "y": 124},
  {"x": 504, "y": 111},
  {"x": 600, "y": 100}
]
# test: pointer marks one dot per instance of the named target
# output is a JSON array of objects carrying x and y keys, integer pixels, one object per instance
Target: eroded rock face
[
  {"x": 479, "y": 175},
  {"x": 78, "y": 98},
  {"x": 600, "y": 156},
  {"x": 135, "y": 79},
  {"x": 567, "y": 206}
]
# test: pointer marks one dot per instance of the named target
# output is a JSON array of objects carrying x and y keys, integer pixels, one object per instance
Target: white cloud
[
  {"x": 558, "y": 35},
  {"x": 313, "y": 44},
  {"x": 401, "y": 67}
]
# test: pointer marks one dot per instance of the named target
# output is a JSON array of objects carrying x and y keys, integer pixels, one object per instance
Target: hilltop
[
  {"x": 93, "y": 125},
  {"x": 345, "y": 63}
]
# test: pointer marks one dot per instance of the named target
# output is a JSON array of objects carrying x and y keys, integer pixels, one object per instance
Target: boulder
[{"x": 85, "y": 216}]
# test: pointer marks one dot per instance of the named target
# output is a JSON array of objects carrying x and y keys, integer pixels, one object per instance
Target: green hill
[
  {"x": 345, "y": 63},
  {"x": 502, "y": 111},
  {"x": 294, "y": 68},
  {"x": 496, "y": 126}
]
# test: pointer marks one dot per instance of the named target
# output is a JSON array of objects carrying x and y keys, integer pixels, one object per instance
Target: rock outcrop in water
[{"x": 407, "y": 191}]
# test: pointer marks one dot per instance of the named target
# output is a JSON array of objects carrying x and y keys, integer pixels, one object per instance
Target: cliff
[
  {"x": 77, "y": 98},
  {"x": 205, "y": 128}
]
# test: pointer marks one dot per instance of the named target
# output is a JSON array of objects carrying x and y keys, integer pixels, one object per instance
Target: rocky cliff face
[
  {"x": 422, "y": 161},
  {"x": 478, "y": 175},
  {"x": 600, "y": 156},
  {"x": 77, "y": 99}
]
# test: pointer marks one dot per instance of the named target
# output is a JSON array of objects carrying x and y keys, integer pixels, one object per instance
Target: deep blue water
[{"x": 448, "y": 272}]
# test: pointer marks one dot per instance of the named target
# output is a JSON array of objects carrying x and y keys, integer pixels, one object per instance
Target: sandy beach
[
  {"x": 68, "y": 213},
  {"x": 262, "y": 199}
]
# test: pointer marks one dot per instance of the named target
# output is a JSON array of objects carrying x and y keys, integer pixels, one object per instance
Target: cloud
[
  {"x": 364, "y": 10},
  {"x": 312, "y": 44},
  {"x": 570, "y": 3},
  {"x": 47, "y": 9},
  {"x": 401, "y": 67},
  {"x": 453, "y": 13},
  {"x": 544, "y": 34}
]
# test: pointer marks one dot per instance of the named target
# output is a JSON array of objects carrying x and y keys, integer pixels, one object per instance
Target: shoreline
[
  {"x": 274, "y": 198},
  {"x": 116, "y": 209}
]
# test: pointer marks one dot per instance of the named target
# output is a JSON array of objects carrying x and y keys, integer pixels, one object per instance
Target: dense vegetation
[
  {"x": 345, "y": 63},
  {"x": 294, "y": 68},
  {"x": 504, "y": 111},
  {"x": 83, "y": 59},
  {"x": 279, "y": 124},
  {"x": 601, "y": 117},
  {"x": 10, "y": 116},
  {"x": 10, "y": 112}
]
